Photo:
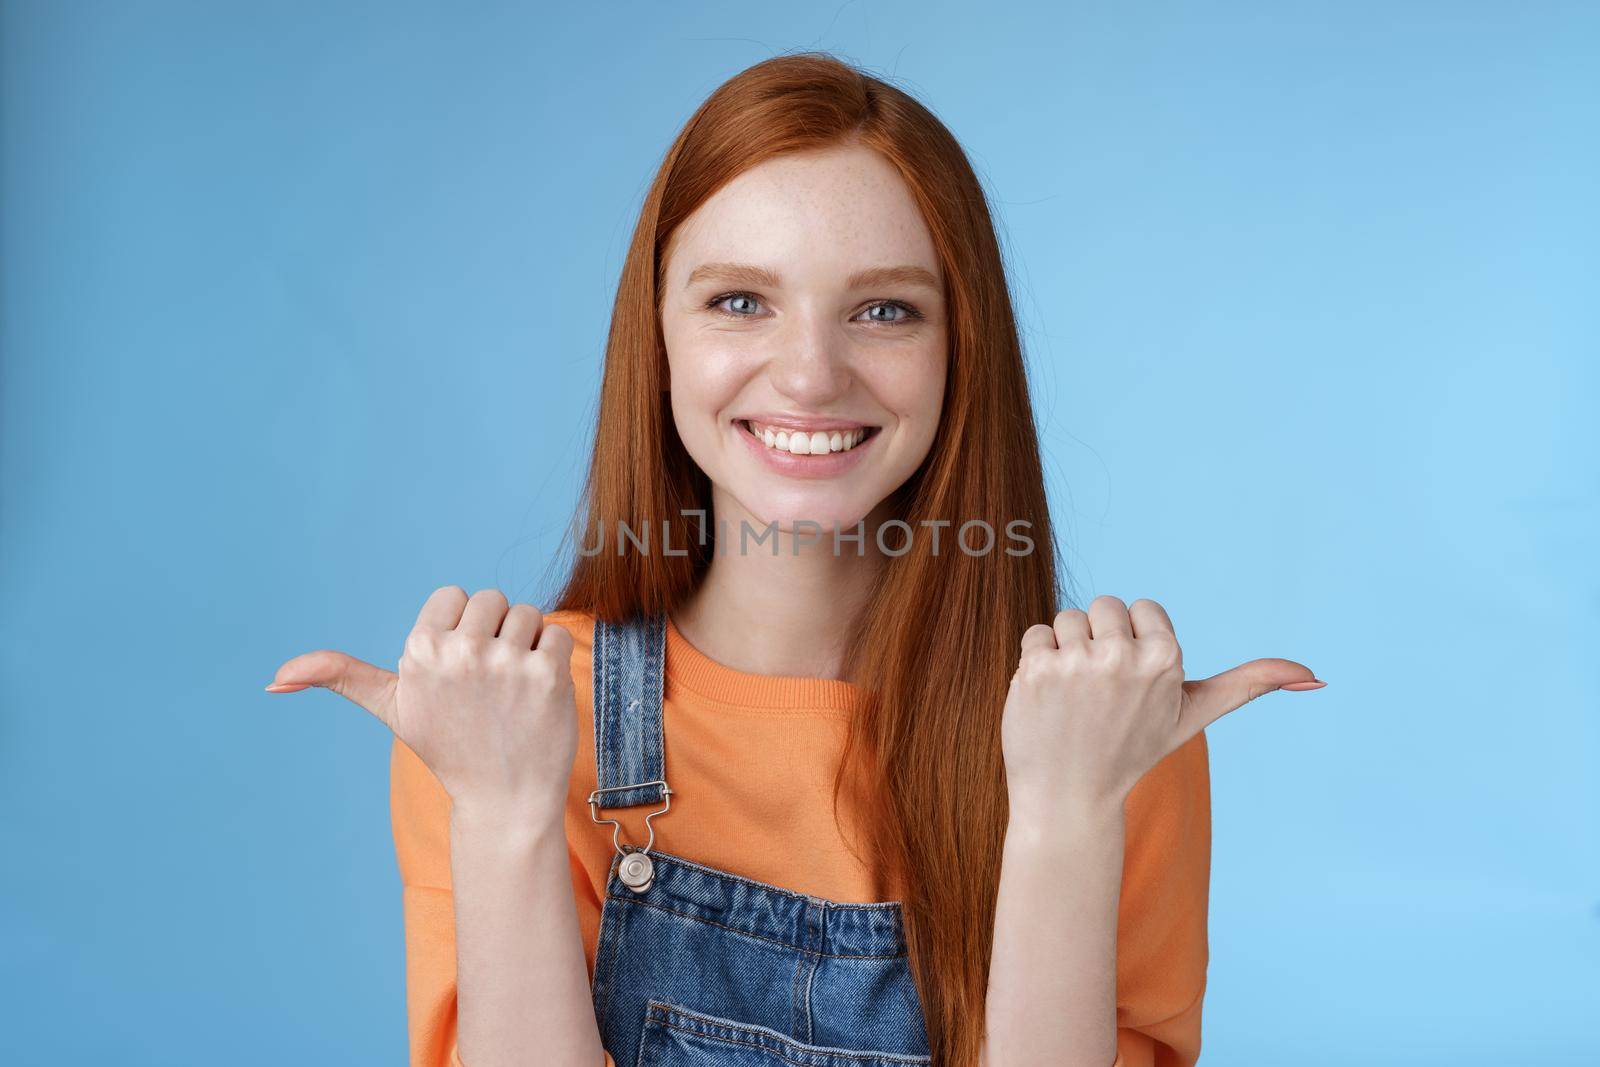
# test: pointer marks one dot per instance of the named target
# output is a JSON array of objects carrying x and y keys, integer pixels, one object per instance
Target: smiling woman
[{"x": 918, "y": 812}]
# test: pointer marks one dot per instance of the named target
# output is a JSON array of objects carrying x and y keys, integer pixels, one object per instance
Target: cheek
[
  {"x": 914, "y": 391},
  {"x": 705, "y": 380}
]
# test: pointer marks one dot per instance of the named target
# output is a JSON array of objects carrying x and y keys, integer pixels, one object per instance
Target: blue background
[{"x": 303, "y": 312}]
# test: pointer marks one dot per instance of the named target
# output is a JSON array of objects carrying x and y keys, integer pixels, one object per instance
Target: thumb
[
  {"x": 356, "y": 680},
  {"x": 1209, "y": 699}
]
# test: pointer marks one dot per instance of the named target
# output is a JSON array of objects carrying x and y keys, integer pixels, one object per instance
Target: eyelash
[{"x": 912, "y": 314}]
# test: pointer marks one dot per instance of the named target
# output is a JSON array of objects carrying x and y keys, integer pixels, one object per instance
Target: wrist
[
  {"x": 1065, "y": 812},
  {"x": 506, "y": 818}
]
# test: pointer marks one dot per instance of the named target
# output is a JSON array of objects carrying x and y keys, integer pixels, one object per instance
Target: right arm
[
  {"x": 523, "y": 983},
  {"x": 484, "y": 699}
]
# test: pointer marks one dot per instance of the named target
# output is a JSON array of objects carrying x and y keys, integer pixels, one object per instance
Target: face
[{"x": 804, "y": 317}]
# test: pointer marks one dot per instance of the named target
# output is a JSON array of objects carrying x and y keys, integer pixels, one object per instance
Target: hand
[
  {"x": 1099, "y": 699},
  {"x": 484, "y": 697}
]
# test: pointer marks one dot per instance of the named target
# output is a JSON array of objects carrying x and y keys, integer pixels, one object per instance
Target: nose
[{"x": 811, "y": 366}]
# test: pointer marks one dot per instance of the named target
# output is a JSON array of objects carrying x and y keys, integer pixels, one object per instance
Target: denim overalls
[{"x": 697, "y": 967}]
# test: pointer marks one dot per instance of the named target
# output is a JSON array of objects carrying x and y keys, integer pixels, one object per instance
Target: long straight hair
[{"x": 928, "y": 732}]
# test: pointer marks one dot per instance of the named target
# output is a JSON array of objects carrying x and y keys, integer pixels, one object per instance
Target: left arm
[
  {"x": 1159, "y": 845},
  {"x": 1101, "y": 909},
  {"x": 1052, "y": 979}
]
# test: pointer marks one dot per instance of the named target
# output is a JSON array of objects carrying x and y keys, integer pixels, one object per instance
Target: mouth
[{"x": 807, "y": 441}]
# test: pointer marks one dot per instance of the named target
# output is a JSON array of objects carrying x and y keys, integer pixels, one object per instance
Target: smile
[{"x": 807, "y": 441}]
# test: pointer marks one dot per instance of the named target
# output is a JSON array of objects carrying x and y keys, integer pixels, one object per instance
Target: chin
[{"x": 826, "y": 509}]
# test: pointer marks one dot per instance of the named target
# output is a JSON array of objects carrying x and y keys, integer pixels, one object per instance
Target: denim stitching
[
  {"x": 877, "y": 905},
  {"x": 758, "y": 937},
  {"x": 667, "y": 1014}
]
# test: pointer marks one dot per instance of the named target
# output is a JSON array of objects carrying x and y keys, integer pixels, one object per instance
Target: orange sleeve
[
  {"x": 420, "y": 816},
  {"x": 1162, "y": 949},
  {"x": 419, "y": 812}
]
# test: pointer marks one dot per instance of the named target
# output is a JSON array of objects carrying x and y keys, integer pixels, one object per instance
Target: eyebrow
[{"x": 870, "y": 278}]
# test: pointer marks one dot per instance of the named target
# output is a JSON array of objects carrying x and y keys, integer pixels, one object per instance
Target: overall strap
[{"x": 629, "y": 752}]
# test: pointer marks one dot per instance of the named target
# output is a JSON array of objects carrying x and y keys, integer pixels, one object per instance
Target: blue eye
[
  {"x": 730, "y": 296},
  {"x": 910, "y": 314}
]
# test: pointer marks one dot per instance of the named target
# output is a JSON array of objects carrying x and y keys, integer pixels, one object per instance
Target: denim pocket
[{"x": 675, "y": 1036}]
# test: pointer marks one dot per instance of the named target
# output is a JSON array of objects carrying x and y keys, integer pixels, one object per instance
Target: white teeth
[{"x": 808, "y": 443}]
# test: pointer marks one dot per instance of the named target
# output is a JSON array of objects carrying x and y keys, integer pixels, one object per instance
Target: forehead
[{"x": 837, "y": 208}]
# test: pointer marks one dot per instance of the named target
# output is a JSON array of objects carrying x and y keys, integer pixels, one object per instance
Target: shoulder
[{"x": 580, "y": 624}]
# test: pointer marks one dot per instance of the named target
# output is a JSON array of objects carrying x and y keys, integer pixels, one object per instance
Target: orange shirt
[{"x": 751, "y": 760}]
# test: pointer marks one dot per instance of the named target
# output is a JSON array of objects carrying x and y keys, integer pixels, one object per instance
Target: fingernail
[
  {"x": 285, "y": 687},
  {"x": 1304, "y": 687}
]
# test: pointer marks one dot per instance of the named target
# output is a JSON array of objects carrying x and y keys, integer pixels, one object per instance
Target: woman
[{"x": 796, "y": 771}]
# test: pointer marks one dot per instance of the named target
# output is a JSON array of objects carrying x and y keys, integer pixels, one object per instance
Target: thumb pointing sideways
[
  {"x": 358, "y": 681},
  {"x": 1209, "y": 699}
]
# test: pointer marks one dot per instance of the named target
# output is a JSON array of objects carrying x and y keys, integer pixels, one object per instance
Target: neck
[{"x": 785, "y": 612}]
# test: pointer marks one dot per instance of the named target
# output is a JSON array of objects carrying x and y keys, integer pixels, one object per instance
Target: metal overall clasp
[{"x": 636, "y": 869}]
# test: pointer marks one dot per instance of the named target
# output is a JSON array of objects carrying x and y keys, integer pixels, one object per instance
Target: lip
[
  {"x": 782, "y": 421},
  {"x": 793, "y": 466}
]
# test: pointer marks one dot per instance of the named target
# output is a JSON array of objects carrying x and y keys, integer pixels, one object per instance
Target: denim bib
[{"x": 698, "y": 967}]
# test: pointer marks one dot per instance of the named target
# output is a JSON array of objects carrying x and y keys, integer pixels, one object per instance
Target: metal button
[{"x": 636, "y": 871}]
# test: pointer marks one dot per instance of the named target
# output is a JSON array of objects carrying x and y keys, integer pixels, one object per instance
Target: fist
[
  {"x": 1099, "y": 698},
  {"x": 483, "y": 695}
]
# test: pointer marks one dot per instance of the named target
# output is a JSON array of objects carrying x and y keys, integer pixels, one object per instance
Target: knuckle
[
  {"x": 557, "y": 642},
  {"x": 1042, "y": 667},
  {"x": 1164, "y": 652},
  {"x": 1036, "y": 640},
  {"x": 463, "y": 650},
  {"x": 1032, "y": 661},
  {"x": 1168, "y": 662},
  {"x": 1034, "y": 650},
  {"x": 1113, "y": 650},
  {"x": 498, "y": 655},
  {"x": 526, "y": 615}
]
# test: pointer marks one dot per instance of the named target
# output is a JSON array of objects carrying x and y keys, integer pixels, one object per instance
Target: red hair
[{"x": 929, "y": 732}]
